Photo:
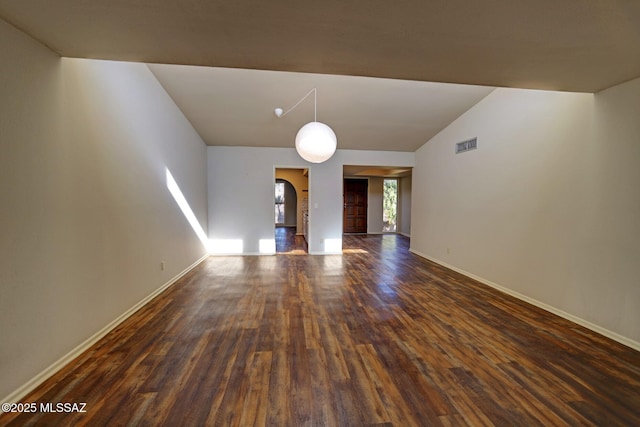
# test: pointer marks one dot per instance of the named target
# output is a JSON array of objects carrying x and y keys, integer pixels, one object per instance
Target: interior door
[{"x": 355, "y": 205}]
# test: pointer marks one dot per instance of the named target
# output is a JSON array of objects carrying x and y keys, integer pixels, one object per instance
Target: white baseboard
[
  {"x": 34, "y": 382},
  {"x": 242, "y": 254},
  {"x": 575, "y": 319},
  {"x": 406, "y": 235}
]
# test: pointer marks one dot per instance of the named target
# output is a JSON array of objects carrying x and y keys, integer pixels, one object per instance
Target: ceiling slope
[
  {"x": 571, "y": 45},
  {"x": 234, "y": 107}
]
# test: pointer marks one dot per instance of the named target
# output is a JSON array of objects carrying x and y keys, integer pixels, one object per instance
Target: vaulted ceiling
[
  {"x": 401, "y": 47},
  {"x": 235, "y": 107}
]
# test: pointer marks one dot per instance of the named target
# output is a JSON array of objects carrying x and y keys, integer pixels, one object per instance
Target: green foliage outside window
[{"x": 390, "y": 204}]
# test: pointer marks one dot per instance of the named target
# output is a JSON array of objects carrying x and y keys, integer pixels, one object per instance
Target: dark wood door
[{"x": 355, "y": 205}]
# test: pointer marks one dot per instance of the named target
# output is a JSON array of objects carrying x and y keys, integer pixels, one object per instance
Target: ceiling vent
[{"x": 469, "y": 144}]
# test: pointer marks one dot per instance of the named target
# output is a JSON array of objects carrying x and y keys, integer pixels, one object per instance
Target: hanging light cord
[{"x": 315, "y": 102}]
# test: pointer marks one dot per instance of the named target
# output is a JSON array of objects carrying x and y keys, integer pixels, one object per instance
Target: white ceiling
[
  {"x": 236, "y": 107},
  {"x": 571, "y": 45}
]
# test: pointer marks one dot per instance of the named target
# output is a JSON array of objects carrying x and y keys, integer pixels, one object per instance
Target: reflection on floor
[
  {"x": 384, "y": 243},
  {"x": 377, "y": 337},
  {"x": 288, "y": 242}
]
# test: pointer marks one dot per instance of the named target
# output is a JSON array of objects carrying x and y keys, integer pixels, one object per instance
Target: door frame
[{"x": 300, "y": 195}]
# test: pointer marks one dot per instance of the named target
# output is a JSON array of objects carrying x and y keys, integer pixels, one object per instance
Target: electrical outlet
[
  {"x": 161, "y": 265},
  {"x": 448, "y": 251}
]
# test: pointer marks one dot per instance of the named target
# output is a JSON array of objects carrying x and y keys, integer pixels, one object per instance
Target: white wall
[
  {"x": 245, "y": 221},
  {"x": 86, "y": 216},
  {"x": 375, "y": 195},
  {"x": 404, "y": 205},
  {"x": 547, "y": 206}
]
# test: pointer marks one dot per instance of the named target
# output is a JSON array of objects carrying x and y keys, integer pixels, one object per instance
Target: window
[
  {"x": 390, "y": 205},
  {"x": 279, "y": 203}
]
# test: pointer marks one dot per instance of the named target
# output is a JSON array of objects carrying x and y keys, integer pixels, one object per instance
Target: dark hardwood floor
[
  {"x": 288, "y": 242},
  {"x": 377, "y": 336}
]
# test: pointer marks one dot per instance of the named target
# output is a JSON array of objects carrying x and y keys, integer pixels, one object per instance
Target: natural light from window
[
  {"x": 279, "y": 203},
  {"x": 390, "y": 205},
  {"x": 267, "y": 246},
  {"x": 333, "y": 246},
  {"x": 175, "y": 191},
  {"x": 226, "y": 246}
]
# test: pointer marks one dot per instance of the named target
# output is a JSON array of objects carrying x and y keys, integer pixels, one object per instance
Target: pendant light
[{"x": 315, "y": 142}]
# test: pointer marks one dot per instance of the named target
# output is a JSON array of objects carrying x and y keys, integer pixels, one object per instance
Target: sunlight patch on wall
[
  {"x": 333, "y": 246},
  {"x": 267, "y": 246},
  {"x": 175, "y": 191},
  {"x": 226, "y": 246}
]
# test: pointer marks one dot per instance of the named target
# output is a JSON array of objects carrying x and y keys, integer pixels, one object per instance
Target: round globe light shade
[{"x": 316, "y": 142}]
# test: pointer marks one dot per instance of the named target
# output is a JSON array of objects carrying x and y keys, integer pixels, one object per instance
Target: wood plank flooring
[
  {"x": 288, "y": 242},
  {"x": 377, "y": 336}
]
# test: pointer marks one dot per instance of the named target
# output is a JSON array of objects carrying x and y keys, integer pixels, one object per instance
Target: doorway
[
  {"x": 355, "y": 205},
  {"x": 291, "y": 201}
]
